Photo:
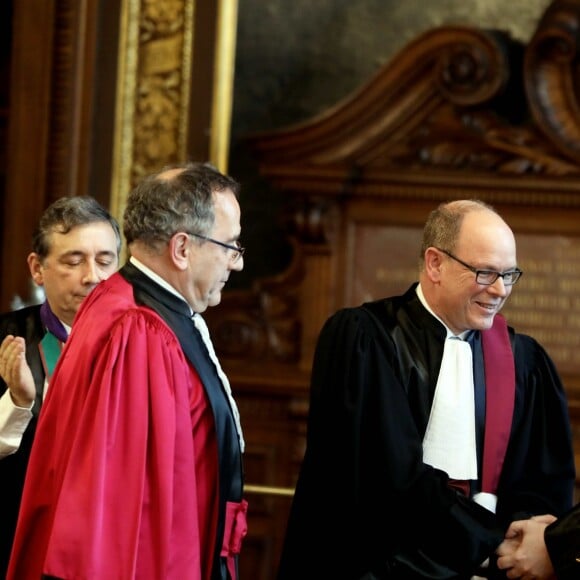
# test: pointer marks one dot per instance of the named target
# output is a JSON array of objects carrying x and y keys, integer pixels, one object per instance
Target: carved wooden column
[{"x": 174, "y": 87}]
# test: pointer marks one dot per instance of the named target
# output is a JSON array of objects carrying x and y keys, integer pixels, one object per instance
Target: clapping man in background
[{"x": 75, "y": 246}]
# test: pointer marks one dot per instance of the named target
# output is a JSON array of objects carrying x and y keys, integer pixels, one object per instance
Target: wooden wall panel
[
  {"x": 459, "y": 112},
  {"x": 52, "y": 71}
]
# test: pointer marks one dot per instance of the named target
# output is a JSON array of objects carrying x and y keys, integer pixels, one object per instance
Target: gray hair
[
  {"x": 162, "y": 205},
  {"x": 67, "y": 213}
]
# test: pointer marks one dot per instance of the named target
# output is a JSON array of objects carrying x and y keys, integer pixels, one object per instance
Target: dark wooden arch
[{"x": 458, "y": 112}]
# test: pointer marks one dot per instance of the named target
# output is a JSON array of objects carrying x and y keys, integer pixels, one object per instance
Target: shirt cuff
[{"x": 13, "y": 422}]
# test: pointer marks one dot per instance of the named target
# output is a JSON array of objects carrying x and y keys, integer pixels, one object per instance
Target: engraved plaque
[
  {"x": 385, "y": 261},
  {"x": 546, "y": 302}
]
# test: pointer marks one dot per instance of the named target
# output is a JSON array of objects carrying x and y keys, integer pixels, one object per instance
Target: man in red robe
[{"x": 136, "y": 470}]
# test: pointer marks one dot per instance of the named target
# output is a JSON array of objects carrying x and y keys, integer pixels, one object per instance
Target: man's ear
[
  {"x": 433, "y": 264},
  {"x": 179, "y": 250},
  {"x": 35, "y": 267}
]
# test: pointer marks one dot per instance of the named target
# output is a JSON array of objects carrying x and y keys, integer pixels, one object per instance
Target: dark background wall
[{"x": 296, "y": 58}]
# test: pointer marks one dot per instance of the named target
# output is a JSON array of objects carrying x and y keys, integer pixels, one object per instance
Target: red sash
[
  {"x": 500, "y": 389},
  {"x": 235, "y": 529}
]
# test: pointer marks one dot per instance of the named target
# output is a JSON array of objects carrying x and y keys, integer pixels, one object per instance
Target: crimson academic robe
[
  {"x": 123, "y": 477},
  {"x": 563, "y": 543},
  {"x": 366, "y": 506}
]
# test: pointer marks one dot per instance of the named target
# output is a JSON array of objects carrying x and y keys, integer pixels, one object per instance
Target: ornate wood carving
[
  {"x": 173, "y": 88},
  {"x": 551, "y": 73},
  {"x": 452, "y": 100},
  {"x": 152, "y": 91},
  {"x": 262, "y": 324},
  {"x": 459, "y": 112}
]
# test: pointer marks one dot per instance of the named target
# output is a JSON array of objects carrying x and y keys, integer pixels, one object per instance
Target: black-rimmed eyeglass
[
  {"x": 488, "y": 277},
  {"x": 237, "y": 249}
]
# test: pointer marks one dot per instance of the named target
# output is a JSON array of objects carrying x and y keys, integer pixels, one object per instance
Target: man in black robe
[{"x": 368, "y": 504}]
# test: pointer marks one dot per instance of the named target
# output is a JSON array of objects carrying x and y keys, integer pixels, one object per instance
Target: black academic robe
[
  {"x": 563, "y": 543},
  {"x": 25, "y": 322},
  {"x": 365, "y": 505}
]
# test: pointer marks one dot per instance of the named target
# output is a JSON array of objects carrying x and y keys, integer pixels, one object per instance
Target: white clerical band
[
  {"x": 204, "y": 331},
  {"x": 449, "y": 442}
]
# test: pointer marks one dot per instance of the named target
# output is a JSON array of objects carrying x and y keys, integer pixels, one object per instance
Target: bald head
[
  {"x": 169, "y": 174},
  {"x": 459, "y": 239},
  {"x": 444, "y": 223}
]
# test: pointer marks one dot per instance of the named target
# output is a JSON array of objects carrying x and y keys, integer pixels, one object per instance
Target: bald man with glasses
[{"x": 432, "y": 424}]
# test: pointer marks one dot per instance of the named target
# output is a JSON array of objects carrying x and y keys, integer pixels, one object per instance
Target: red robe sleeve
[{"x": 109, "y": 487}]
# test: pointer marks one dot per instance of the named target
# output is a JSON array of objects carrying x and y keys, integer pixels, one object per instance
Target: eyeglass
[
  {"x": 237, "y": 250},
  {"x": 488, "y": 277}
]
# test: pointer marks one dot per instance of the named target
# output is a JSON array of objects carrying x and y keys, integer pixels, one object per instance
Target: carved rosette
[{"x": 471, "y": 66}]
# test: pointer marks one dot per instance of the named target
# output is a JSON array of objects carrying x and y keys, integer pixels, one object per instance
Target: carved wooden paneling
[{"x": 459, "y": 112}]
